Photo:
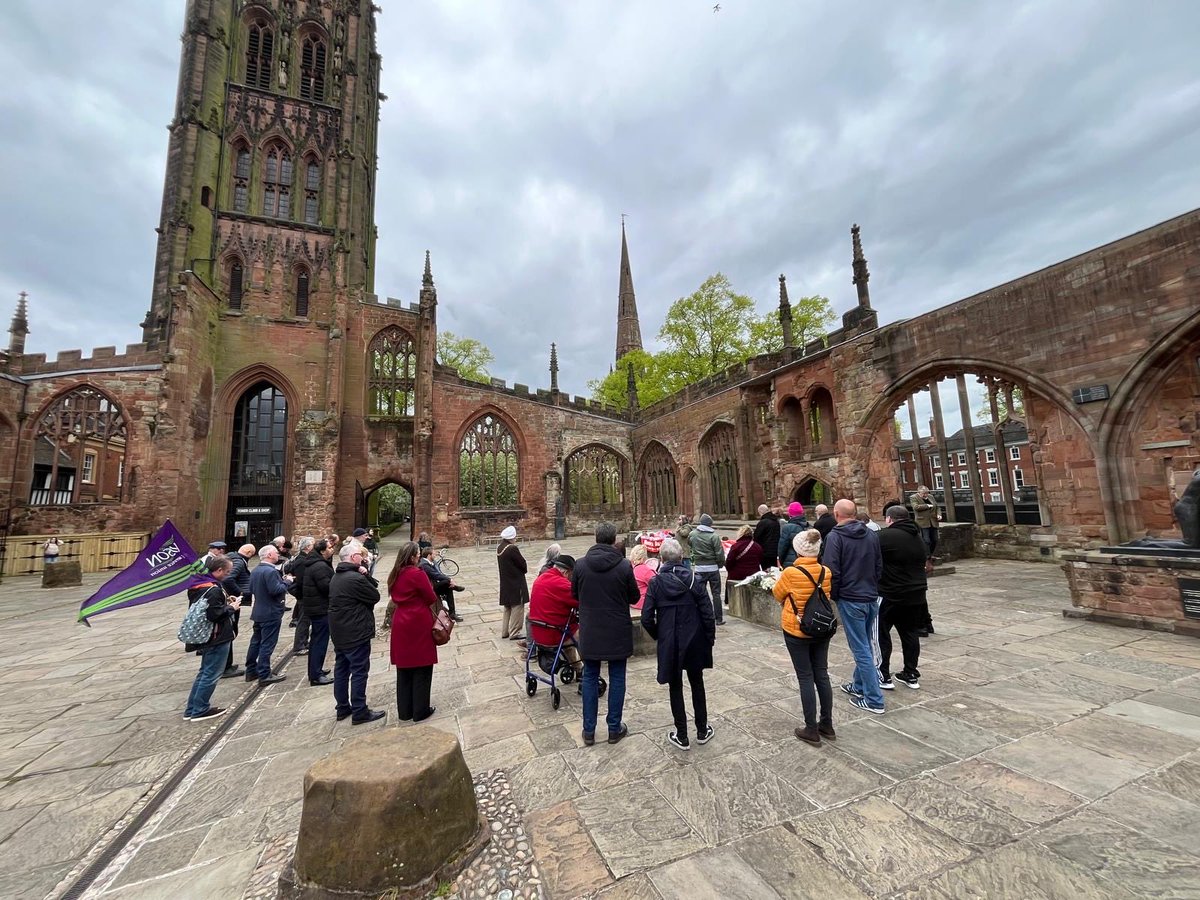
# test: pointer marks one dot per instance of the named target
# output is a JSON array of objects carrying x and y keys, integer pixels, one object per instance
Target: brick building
[{"x": 273, "y": 390}]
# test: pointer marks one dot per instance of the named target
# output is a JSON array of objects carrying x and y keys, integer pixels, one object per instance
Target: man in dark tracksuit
[{"x": 902, "y": 586}]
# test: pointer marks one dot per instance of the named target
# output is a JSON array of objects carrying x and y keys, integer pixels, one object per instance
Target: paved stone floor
[{"x": 1042, "y": 757}]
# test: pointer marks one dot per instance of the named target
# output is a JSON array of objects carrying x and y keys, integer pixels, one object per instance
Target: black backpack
[{"x": 818, "y": 620}]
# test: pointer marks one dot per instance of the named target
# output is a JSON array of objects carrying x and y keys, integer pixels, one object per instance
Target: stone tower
[
  {"x": 270, "y": 181},
  {"x": 629, "y": 330}
]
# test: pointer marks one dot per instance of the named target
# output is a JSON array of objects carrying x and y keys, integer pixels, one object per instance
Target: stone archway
[
  {"x": 389, "y": 508},
  {"x": 810, "y": 492}
]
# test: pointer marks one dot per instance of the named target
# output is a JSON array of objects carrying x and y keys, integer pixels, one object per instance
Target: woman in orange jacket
[{"x": 810, "y": 656}]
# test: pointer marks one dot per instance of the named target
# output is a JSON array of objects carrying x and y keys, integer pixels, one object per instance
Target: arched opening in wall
[
  {"x": 791, "y": 417},
  {"x": 389, "y": 508},
  {"x": 810, "y": 492},
  {"x": 658, "y": 485},
  {"x": 301, "y": 292},
  {"x": 995, "y": 446},
  {"x": 79, "y": 451},
  {"x": 391, "y": 374},
  {"x": 595, "y": 482},
  {"x": 240, "y": 160},
  {"x": 235, "y": 275},
  {"x": 720, "y": 491},
  {"x": 488, "y": 466},
  {"x": 822, "y": 423},
  {"x": 257, "y": 463}
]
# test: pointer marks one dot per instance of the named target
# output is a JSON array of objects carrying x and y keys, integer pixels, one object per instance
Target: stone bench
[
  {"x": 754, "y": 605},
  {"x": 643, "y": 644},
  {"x": 390, "y": 814}
]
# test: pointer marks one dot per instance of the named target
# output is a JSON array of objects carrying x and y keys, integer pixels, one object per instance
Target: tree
[
  {"x": 469, "y": 356},
  {"x": 1018, "y": 412},
  {"x": 811, "y": 318},
  {"x": 653, "y": 380},
  {"x": 708, "y": 331}
]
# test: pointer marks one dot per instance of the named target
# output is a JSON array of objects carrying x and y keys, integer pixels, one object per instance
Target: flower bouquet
[{"x": 763, "y": 580}]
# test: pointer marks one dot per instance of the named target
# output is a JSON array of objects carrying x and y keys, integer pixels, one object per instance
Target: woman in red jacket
[
  {"x": 413, "y": 652},
  {"x": 742, "y": 560}
]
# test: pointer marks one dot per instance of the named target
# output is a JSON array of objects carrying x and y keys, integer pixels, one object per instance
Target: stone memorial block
[{"x": 67, "y": 573}]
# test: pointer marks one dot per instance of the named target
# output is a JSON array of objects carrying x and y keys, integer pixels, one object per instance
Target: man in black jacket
[
  {"x": 318, "y": 572},
  {"x": 352, "y": 598},
  {"x": 237, "y": 584},
  {"x": 902, "y": 586},
  {"x": 295, "y": 567},
  {"x": 443, "y": 584},
  {"x": 604, "y": 585},
  {"x": 825, "y": 521},
  {"x": 766, "y": 535}
]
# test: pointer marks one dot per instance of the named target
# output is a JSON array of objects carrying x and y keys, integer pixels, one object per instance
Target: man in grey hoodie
[
  {"x": 852, "y": 554},
  {"x": 708, "y": 555}
]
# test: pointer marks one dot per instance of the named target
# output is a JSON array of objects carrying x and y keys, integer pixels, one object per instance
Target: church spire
[
  {"x": 553, "y": 369},
  {"x": 631, "y": 391},
  {"x": 428, "y": 295},
  {"x": 19, "y": 328},
  {"x": 629, "y": 330},
  {"x": 861, "y": 275},
  {"x": 785, "y": 312}
]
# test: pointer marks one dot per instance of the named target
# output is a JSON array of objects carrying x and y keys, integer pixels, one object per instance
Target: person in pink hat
[{"x": 795, "y": 524}]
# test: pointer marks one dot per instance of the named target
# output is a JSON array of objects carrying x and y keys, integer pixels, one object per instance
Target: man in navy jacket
[
  {"x": 852, "y": 554},
  {"x": 270, "y": 590}
]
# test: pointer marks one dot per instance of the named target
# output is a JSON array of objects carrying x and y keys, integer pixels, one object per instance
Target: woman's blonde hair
[
  {"x": 638, "y": 555},
  {"x": 744, "y": 531}
]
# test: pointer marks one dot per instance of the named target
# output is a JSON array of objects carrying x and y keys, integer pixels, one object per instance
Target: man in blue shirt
[{"x": 270, "y": 590}]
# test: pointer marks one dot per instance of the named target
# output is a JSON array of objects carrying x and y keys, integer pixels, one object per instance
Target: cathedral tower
[
  {"x": 629, "y": 330},
  {"x": 270, "y": 182}
]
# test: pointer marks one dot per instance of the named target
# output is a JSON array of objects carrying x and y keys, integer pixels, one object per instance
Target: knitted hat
[
  {"x": 795, "y": 508},
  {"x": 564, "y": 561},
  {"x": 807, "y": 543},
  {"x": 509, "y": 533},
  {"x": 706, "y": 519}
]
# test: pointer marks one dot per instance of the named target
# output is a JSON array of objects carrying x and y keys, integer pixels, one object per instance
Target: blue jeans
[
  {"x": 591, "y": 694},
  {"x": 318, "y": 646},
  {"x": 262, "y": 645},
  {"x": 350, "y": 670},
  {"x": 859, "y": 620},
  {"x": 711, "y": 583},
  {"x": 212, "y": 664}
]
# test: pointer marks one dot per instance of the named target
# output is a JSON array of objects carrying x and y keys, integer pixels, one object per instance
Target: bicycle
[{"x": 445, "y": 564}]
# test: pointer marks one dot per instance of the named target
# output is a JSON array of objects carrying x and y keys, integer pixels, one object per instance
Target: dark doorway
[
  {"x": 811, "y": 492},
  {"x": 389, "y": 509}
]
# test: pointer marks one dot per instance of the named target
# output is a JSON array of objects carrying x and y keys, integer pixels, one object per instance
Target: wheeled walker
[{"x": 552, "y": 660}]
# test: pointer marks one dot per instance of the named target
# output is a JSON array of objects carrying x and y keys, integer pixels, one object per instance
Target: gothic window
[
  {"x": 241, "y": 178},
  {"x": 235, "y": 284},
  {"x": 312, "y": 191},
  {"x": 260, "y": 53},
  {"x": 259, "y": 441},
  {"x": 793, "y": 423},
  {"x": 487, "y": 465},
  {"x": 302, "y": 293},
  {"x": 822, "y": 426},
  {"x": 595, "y": 482},
  {"x": 659, "y": 494},
  {"x": 392, "y": 374},
  {"x": 312, "y": 68},
  {"x": 277, "y": 182},
  {"x": 719, "y": 472},
  {"x": 79, "y": 450}
]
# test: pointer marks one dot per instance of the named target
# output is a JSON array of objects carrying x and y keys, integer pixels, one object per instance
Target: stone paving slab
[{"x": 1042, "y": 757}]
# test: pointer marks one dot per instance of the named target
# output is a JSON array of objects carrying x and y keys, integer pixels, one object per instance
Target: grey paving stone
[
  {"x": 1023, "y": 796},
  {"x": 1181, "y": 780},
  {"x": 1025, "y": 871},
  {"x": 647, "y": 833},
  {"x": 608, "y": 765},
  {"x": 1122, "y": 739},
  {"x": 218, "y": 880},
  {"x": 1164, "y": 673},
  {"x": 155, "y": 858},
  {"x": 990, "y": 716},
  {"x": 32, "y": 884},
  {"x": 1077, "y": 769},
  {"x": 792, "y": 868},
  {"x": 542, "y": 782},
  {"x": 1156, "y": 717},
  {"x": 502, "y": 754},
  {"x": 631, "y": 887},
  {"x": 63, "y": 831},
  {"x": 959, "y": 739},
  {"x": 822, "y": 774},
  {"x": 1044, "y": 702},
  {"x": 1172, "y": 820},
  {"x": 212, "y": 796},
  {"x": 888, "y": 751},
  {"x": 956, "y": 813},
  {"x": 712, "y": 875},
  {"x": 36, "y": 790},
  {"x": 568, "y": 861}
]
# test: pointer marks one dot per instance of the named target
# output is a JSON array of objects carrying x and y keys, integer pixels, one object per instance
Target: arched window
[
  {"x": 659, "y": 494},
  {"x": 595, "y": 481},
  {"x": 79, "y": 450},
  {"x": 719, "y": 472},
  {"x": 277, "y": 182},
  {"x": 822, "y": 427},
  {"x": 241, "y": 177},
  {"x": 312, "y": 68},
  {"x": 260, "y": 53},
  {"x": 312, "y": 191},
  {"x": 257, "y": 464},
  {"x": 792, "y": 417},
  {"x": 391, "y": 374},
  {"x": 487, "y": 466},
  {"x": 302, "y": 293},
  {"x": 235, "y": 288}
]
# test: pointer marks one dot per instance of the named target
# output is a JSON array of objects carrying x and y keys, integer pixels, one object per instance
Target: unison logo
[{"x": 164, "y": 554}]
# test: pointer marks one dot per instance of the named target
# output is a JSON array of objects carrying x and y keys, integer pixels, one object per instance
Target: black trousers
[
  {"x": 810, "y": 659},
  {"x": 447, "y": 594},
  {"x": 230, "y": 665},
  {"x": 906, "y": 619},
  {"x": 699, "y": 702},
  {"x": 412, "y": 693}
]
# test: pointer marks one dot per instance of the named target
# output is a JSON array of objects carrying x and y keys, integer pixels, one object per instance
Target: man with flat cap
[{"x": 551, "y": 603}]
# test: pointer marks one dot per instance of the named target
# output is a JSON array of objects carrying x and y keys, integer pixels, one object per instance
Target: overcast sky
[{"x": 973, "y": 142}]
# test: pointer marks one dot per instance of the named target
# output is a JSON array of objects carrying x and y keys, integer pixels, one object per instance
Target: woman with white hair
[
  {"x": 514, "y": 590},
  {"x": 548, "y": 559}
]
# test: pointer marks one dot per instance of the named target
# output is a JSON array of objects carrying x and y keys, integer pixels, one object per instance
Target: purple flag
[{"x": 166, "y": 566}]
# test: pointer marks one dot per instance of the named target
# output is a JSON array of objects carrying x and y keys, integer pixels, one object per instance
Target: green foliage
[
  {"x": 706, "y": 333},
  {"x": 985, "y": 412},
  {"x": 469, "y": 356},
  {"x": 487, "y": 480}
]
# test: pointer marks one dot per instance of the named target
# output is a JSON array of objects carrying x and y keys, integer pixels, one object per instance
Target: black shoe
[
  {"x": 252, "y": 676},
  {"x": 343, "y": 716},
  {"x": 589, "y": 739},
  {"x": 274, "y": 679},
  {"x": 457, "y": 618},
  {"x": 319, "y": 681},
  {"x": 211, "y": 713},
  {"x": 705, "y": 736},
  {"x": 680, "y": 742},
  {"x": 458, "y": 587},
  {"x": 233, "y": 672},
  {"x": 614, "y": 737},
  {"x": 913, "y": 681},
  {"x": 427, "y": 715},
  {"x": 720, "y": 621},
  {"x": 292, "y": 624},
  {"x": 922, "y": 632},
  {"x": 373, "y": 715},
  {"x": 325, "y": 671}
]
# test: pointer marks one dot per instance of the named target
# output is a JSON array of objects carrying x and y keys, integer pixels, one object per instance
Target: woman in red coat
[
  {"x": 742, "y": 559},
  {"x": 413, "y": 652}
]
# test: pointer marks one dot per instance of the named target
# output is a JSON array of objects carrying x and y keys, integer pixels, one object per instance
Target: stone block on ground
[
  {"x": 62, "y": 574},
  {"x": 754, "y": 605},
  {"x": 393, "y": 813}
]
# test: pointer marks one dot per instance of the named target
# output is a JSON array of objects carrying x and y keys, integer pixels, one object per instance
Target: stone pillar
[
  {"x": 964, "y": 408},
  {"x": 1006, "y": 488},
  {"x": 918, "y": 453},
  {"x": 940, "y": 433}
]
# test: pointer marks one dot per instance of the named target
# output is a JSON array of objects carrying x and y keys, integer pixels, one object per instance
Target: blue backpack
[{"x": 196, "y": 628}]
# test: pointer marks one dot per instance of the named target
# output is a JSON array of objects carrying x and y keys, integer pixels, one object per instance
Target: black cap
[
  {"x": 358, "y": 532},
  {"x": 564, "y": 560},
  {"x": 216, "y": 545}
]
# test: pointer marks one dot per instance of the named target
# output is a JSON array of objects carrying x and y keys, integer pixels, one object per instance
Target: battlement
[
  {"x": 557, "y": 399},
  {"x": 394, "y": 303},
  {"x": 100, "y": 358}
]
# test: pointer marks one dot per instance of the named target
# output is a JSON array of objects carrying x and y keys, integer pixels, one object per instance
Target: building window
[
  {"x": 302, "y": 294},
  {"x": 488, "y": 468},
  {"x": 235, "y": 284},
  {"x": 277, "y": 182},
  {"x": 78, "y": 448},
  {"x": 935, "y": 462},
  {"x": 260, "y": 53},
  {"x": 259, "y": 441},
  {"x": 937, "y": 482},
  {"x": 821, "y": 422},
  {"x": 391, "y": 374},
  {"x": 962, "y": 458},
  {"x": 1018, "y": 479},
  {"x": 994, "y": 497},
  {"x": 312, "y": 68},
  {"x": 658, "y": 482},
  {"x": 595, "y": 482},
  {"x": 964, "y": 480},
  {"x": 1014, "y": 452},
  {"x": 719, "y": 488},
  {"x": 993, "y": 478},
  {"x": 989, "y": 455},
  {"x": 241, "y": 178},
  {"x": 312, "y": 192}
]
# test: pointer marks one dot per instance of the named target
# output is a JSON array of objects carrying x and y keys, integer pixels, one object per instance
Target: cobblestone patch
[{"x": 505, "y": 870}]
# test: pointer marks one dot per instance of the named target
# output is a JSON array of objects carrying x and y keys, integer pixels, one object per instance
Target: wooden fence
[{"x": 98, "y": 552}]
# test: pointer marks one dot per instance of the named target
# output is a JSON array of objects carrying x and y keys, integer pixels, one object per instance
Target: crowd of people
[{"x": 874, "y": 576}]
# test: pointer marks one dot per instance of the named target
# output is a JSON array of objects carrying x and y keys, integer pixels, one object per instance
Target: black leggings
[
  {"x": 412, "y": 693},
  {"x": 699, "y": 702},
  {"x": 810, "y": 659}
]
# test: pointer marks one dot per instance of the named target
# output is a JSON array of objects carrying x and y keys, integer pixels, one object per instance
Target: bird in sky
[{"x": 717, "y": 8}]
